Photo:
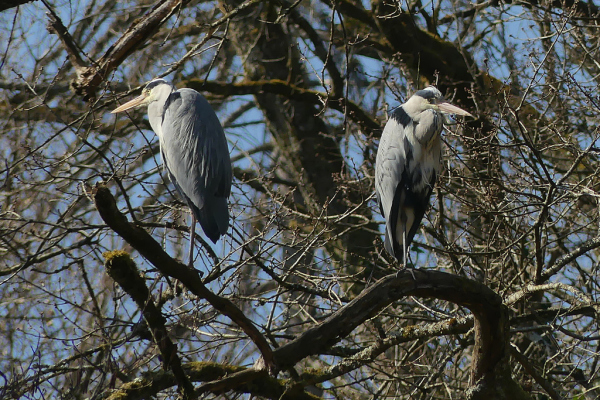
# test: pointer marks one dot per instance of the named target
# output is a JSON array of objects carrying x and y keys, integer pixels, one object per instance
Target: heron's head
[
  {"x": 431, "y": 98},
  {"x": 154, "y": 90}
]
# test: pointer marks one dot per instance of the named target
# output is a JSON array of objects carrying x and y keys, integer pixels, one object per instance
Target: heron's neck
[{"x": 156, "y": 111}]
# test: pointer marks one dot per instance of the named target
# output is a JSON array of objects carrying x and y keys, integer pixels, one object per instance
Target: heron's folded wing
[{"x": 195, "y": 148}]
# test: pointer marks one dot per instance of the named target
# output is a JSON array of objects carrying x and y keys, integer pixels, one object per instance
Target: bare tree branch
[
  {"x": 122, "y": 269},
  {"x": 5, "y": 5},
  {"x": 88, "y": 79},
  {"x": 152, "y": 251}
]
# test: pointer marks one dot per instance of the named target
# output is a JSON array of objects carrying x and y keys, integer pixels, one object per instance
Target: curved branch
[
  {"x": 570, "y": 257},
  {"x": 491, "y": 317}
]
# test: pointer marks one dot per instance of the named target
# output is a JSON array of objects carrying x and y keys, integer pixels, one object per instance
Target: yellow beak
[
  {"x": 450, "y": 109},
  {"x": 138, "y": 101}
]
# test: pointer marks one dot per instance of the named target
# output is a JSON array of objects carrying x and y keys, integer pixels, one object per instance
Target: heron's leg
[
  {"x": 405, "y": 257},
  {"x": 404, "y": 252},
  {"x": 192, "y": 236}
]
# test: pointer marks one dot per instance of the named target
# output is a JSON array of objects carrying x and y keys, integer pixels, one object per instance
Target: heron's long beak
[
  {"x": 130, "y": 104},
  {"x": 448, "y": 109}
]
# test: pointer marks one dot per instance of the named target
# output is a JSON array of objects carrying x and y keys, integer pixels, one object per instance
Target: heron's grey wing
[
  {"x": 391, "y": 178},
  {"x": 196, "y": 156}
]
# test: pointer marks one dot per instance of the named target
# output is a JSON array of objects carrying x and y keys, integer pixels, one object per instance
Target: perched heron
[
  {"x": 407, "y": 165},
  {"x": 194, "y": 152}
]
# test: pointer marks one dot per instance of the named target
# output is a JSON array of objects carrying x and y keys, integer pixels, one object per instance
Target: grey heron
[
  {"x": 408, "y": 162},
  {"x": 194, "y": 151}
]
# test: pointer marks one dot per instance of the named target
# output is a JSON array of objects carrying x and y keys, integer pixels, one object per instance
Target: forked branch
[{"x": 151, "y": 250}]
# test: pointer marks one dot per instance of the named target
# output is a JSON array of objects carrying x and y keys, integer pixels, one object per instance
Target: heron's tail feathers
[
  {"x": 387, "y": 243},
  {"x": 213, "y": 217}
]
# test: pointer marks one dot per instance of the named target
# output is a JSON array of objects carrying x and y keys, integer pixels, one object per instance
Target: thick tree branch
[
  {"x": 150, "y": 249},
  {"x": 587, "y": 10},
  {"x": 218, "y": 379},
  {"x": 88, "y": 79},
  {"x": 5, "y": 5},
  {"x": 56, "y": 26},
  {"x": 123, "y": 270},
  {"x": 421, "y": 50},
  {"x": 491, "y": 318}
]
